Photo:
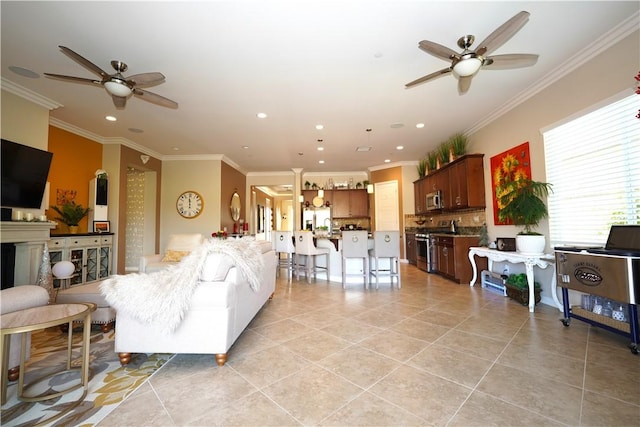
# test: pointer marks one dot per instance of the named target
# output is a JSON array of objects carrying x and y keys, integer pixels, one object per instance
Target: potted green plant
[
  {"x": 432, "y": 160},
  {"x": 443, "y": 153},
  {"x": 422, "y": 167},
  {"x": 458, "y": 144},
  {"x": 520, "y": 201},
  {"x": 307, "y": 185},
  {"x": 71, "y": 214}
]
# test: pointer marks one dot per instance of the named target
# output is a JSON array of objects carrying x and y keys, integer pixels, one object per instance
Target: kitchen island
[{"x": 354, "y": 266}]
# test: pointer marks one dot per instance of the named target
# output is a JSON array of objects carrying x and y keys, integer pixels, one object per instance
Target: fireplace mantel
[{"x": 22, "y": 231}]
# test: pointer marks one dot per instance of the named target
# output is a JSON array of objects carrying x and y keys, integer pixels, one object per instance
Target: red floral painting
[{"x": 510, "y": 165}]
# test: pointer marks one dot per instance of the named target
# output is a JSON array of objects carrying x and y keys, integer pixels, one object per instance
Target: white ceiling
[{"x": 341, "y": 64}]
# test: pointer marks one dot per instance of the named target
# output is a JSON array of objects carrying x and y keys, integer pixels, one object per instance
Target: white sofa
[{"x": 222, "y": 306}]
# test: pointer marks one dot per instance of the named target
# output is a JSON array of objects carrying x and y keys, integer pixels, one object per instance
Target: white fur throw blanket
[{"x": 163, "y": 297}]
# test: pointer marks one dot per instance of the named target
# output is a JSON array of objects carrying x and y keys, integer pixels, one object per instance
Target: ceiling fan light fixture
[
  {"x": 117, "y": 88},
  {"x": 467, "y": 66}
]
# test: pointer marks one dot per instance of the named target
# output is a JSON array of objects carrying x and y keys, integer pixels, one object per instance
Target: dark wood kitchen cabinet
[
  {"x": 453, "y": 257},
  {"x": 350, "y": 204},
  {"x": 466, "y": 183},
  {"x": 461, "y": 183}
]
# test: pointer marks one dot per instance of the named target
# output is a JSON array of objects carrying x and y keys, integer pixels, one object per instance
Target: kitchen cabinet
[
  {"x": 90, "y": 254},
  {"x": 453, "y": 257},
  {"x": 411, "y": 248},
  {"x": 461, "y": 183},
  {"x": 350, "y": 204},
  {"x": 466, "y": 182},
  {"x": 446, "y": 261}
]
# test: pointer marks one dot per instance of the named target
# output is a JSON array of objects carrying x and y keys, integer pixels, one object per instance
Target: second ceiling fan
[{"x": 467, "y": 63}]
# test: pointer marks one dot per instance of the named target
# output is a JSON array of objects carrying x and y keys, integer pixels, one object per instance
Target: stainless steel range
[{"x": 612, "y": 272}]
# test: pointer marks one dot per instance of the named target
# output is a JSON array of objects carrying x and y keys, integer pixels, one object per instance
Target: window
[{"x": 593, "y": 163}]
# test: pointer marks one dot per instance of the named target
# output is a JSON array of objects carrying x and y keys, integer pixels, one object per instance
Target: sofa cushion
[
  {"x": 83, "y": 293},
  {"x": 22, "y": 297},
  {"x": 174, "y": 256},
  {"x": 215, "y": 267},
  {"x": 184, "y": 242}
]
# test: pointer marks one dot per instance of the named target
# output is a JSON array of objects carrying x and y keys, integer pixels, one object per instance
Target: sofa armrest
[{"x": 148, "y": 259}]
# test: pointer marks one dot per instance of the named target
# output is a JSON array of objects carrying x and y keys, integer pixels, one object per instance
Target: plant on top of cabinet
[
  {"x": 422, "y": 167},
  {"x": 432, "y": 160},
  {"x": 458, "y": 143},
  {"x": 307, "y": 185},
  {"x": 443, "y": 153},
  {"x": 71, "y": 214}
]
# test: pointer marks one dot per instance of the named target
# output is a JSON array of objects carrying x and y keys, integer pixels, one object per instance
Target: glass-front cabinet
[{"x": 90, "y": 255}]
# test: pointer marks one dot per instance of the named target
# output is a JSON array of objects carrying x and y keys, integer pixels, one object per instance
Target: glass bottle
[
  {"x": 619, "y": 313},
  {"x": 597, "y": 305},
  {"x": 607, "y": 309}
]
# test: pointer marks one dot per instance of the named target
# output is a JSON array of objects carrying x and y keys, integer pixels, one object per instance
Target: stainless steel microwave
[{"x": 434, "y": 200}]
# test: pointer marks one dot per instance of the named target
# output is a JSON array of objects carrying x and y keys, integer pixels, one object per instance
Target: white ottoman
[{"x": 104, "y": 315}]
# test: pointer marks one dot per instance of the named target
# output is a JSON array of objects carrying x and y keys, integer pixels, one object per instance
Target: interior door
[{"x": 387, "y": 205}]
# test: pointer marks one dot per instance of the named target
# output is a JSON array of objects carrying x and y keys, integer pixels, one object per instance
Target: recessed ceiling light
[
  {"x": 319, "y": 127},
  {"x": 262, "y": 115},
  {"x": 387, "y": 160},
  {"x": 175, "y": 149},
  {"x": 24, "y": 72},
  {"x": 135, "y": 130},
  {"x": 320, "y": 148},
  {"x": 363, "y": 148},
  {"x": 246, "y": 147},
  {"x": 396, "y": 125},
  {"x": 321, "y": 162},
  {"x": 420, "y": 125},
  {"x": 110, "y": 118},
  {"x": 400, "y": 147}
]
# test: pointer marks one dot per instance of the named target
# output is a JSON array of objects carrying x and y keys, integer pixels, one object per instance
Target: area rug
[{"x": 109, "y": 382}]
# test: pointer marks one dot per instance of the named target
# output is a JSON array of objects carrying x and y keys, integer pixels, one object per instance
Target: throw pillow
[{"x": 174, "y": 256}]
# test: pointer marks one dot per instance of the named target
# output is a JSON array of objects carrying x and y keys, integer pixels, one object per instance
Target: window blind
[{"x": 593, "y": 163}]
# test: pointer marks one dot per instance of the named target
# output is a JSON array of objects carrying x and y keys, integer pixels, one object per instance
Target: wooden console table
[{"x": 529, "y": 261}]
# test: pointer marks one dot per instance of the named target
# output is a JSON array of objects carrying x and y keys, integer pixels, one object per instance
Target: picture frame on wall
[{"x": 101, "y": 226}]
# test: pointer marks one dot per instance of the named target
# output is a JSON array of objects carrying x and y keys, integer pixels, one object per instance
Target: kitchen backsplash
[{"x": 464, "y": 220}]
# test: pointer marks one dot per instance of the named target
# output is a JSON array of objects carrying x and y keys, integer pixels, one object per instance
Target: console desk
[{"x": 529, "y": 261}]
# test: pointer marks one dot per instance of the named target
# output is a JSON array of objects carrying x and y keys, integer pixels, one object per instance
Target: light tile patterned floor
[{"x": 431, "y": 353}]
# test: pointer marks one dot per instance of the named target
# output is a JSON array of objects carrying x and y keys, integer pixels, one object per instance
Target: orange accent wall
[{"x": 75, "y": 161}]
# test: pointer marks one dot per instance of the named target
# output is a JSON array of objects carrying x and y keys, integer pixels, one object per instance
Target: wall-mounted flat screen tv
[{"x": 24, "y": 175}]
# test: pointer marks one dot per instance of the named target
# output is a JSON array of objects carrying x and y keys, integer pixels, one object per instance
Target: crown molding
[
  {"x": 29, "y": 95},
  {"x": 101, "y": 139},
  {"x": 610, "y": 38}
]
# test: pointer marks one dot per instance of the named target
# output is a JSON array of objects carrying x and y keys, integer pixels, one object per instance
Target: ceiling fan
[
  {"x": 118, "y": 86},
  {"x": 466, "y": 64}
]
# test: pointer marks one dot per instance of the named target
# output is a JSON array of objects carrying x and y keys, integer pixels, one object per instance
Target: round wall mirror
[{"x": 235, "y": 206}]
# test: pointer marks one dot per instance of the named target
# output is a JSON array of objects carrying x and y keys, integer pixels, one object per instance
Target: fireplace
[{"x": 22, "y": 243}]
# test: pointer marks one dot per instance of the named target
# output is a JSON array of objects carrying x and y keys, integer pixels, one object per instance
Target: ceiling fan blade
[
  {"x": 502, "y": 33},
  {"x": 74, "y": 79},
  {"x": 428, "y": 77},
  {"x": 512, "y": 60},
  {"x": 464, "y": 83},
  {"x": 84, "y": 62},
  {"x": 146, "y": 79},
  {"x": 438, "y": 50},
  {"x": 155, "y": 98},
  {"x": 119, "y": 101}
]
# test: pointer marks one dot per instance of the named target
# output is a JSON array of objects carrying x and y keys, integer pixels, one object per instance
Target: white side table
[{"x": 529, "y": 261}]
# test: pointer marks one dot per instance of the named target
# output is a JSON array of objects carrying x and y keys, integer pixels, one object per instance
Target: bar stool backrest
[
  {"x": 283, "y": 242},
  {"x": 304, "y": 243},
  {"x": 355, "y": 244},
  {"x": 386, "y": 244}
]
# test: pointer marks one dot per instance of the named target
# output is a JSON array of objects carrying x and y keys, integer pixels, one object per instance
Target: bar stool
[
  {"x": 306, "y": 248},
  {"x": 354, "y": 246},
  {"x": 386, "y": 244},
  {"x": 283, "y": 244}
]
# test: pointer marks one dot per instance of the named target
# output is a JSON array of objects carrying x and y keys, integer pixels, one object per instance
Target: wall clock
[{"x": 190, "y": 204}]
